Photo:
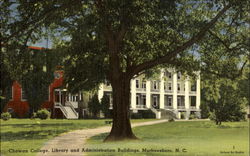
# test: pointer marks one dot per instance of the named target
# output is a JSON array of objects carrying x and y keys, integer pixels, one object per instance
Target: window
[
  {"x": 144, "y": 99},
  {"x": 23, "y": 94},
  {"x": 137, "y": 99},
  {"x": 178, "y": 87},
  {"x": 155, "y": 100},
  {"x": 143, "y": 84},
  {"x": 193, "y": 101},
  {"x": 169, "y": 101},
  {"x": 178, "y": 75},
  {"x": 137, "y": 83},
  {"x": 169, "y": 86},
  {"x": 169, "y": 75},
  {"x": 179, "y": 101},
  {"x": 155, "y": 85},
  {"x": 193, "y": 87}
]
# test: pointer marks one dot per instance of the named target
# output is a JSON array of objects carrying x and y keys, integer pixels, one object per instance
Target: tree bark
[{"x": 121, "y": 127}]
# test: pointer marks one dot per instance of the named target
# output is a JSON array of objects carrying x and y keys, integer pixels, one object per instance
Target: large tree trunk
[{"x": 121, "y": 128}]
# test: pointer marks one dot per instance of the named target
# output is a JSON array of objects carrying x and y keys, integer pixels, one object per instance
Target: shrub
[
  {"x": 34, "y": 115},
  {"x": 6, "y": 116},
  {"x": 43, "y": 114},
  {"x": 192, "y": 116},
  {"x": 105, "y": 102},
  {"x": 136, "y": 115},
  {"x": 94, "y": 106},
  {"x": 148, "y": 114},
  {"x": 204, "y": 110},
  {"x": 182, "y": 115},
  {"x": 171, "y": 120}
]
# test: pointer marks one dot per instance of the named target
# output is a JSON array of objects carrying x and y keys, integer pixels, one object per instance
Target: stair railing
[{"x": 72, "y": 107}]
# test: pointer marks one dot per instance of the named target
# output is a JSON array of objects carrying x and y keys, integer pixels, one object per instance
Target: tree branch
[
  {"x": 189, "y": 43},
  {"x": 218, "y": 38}
]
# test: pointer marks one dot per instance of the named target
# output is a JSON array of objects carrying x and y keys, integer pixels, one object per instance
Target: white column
[
  {"x": 133, "y": 94},
  {"x": 148, "y": 96},
  {"x": 198, "y": 93},
  {"x": 175, "y": 90},
  {"x": 162, "y": 90},
  {"x": 187, "y": 94},
  {"x": 69, "y": 96},
  {"x": 100, "y": 92}
]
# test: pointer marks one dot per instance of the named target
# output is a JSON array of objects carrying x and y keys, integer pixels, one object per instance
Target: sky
[{"x": 42, "y": 43}]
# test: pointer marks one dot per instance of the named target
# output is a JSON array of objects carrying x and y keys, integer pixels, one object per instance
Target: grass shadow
[
  {"x": 36, "y": 124},
  {"x": 29, "y": 135}
]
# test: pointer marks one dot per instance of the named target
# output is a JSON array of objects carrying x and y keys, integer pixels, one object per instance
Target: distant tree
[
  {"x": 36, "y": 79},
  {"x": 224, "y": 101},
  {"x": 244, "y": 83},
  {"x": 105, "y": 104},
  {"x": 94, "y": 106}
]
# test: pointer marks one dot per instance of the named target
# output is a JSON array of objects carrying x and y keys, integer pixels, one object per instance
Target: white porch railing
[
  {"x": 181, "y": 107},
  {"x": 140, "y": 106}
]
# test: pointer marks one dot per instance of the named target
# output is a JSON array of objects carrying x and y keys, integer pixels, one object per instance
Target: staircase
[
  {"x": 157, "y": 113},
  {"x": 164, "y": 114},
  {"x": 167, "y": 114},
  {"x": 68, "y": 110},
  {"x": 70, "y": 113}
]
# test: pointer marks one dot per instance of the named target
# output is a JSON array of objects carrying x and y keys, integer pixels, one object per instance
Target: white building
[{"x": 172, "y": 94}]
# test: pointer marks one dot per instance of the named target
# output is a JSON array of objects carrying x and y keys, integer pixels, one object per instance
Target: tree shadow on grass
[{"x": 29, "y": 135}]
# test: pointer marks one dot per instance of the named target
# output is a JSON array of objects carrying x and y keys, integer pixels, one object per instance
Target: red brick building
[
  {"x": 19, "y": 104},
  {"x": 55, "y": 103}
]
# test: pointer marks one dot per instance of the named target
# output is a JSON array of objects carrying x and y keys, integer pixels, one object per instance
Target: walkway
[{"x": 62, "y": 145}]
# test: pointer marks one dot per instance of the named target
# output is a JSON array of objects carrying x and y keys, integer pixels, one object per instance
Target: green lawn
[
  {"x": 20, "y": 134},
  {"x": 197, "y": 138}
]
